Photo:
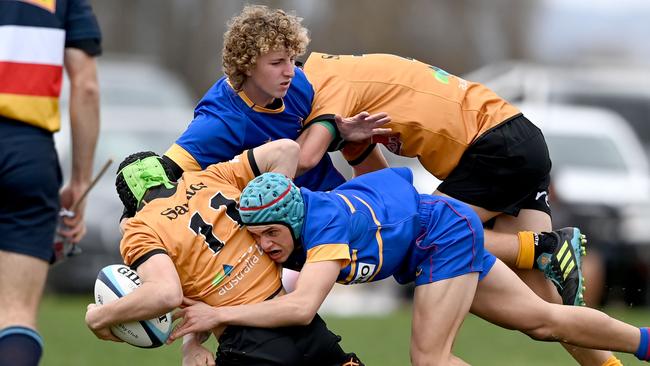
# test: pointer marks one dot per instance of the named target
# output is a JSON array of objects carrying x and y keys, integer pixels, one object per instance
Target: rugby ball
[{"x": 118, "y": 280}]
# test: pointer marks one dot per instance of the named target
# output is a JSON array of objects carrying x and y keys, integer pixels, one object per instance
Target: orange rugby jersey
[
  {"x": 198, "y": 227},
  {"x": 434, "y": 115}
]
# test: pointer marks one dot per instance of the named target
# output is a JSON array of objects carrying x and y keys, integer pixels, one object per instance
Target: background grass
[{"x": 379, "y": 341}]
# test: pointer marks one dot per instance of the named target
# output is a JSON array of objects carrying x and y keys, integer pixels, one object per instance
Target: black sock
[
  {"x": 20, "y": 346},
  {"x": 544, "y": 243}
]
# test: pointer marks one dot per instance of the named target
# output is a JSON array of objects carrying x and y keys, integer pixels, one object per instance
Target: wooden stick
[{"x": 92, "y": 184}]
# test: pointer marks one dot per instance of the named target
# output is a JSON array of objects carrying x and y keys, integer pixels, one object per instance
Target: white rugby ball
[{"x": 118, "y": 280}]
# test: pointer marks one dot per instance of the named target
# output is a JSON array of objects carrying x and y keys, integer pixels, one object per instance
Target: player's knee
[
  {"x": 544, "y": 329},
  {"x": 542, "y": 333}
]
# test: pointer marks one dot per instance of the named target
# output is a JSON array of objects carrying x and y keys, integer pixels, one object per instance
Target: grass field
[{"x": 379, "y": 341}]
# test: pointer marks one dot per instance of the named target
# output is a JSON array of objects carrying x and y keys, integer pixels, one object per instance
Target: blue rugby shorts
[
  {"x": 450, "y": 243},
  {"x": 30, "y": 179}
]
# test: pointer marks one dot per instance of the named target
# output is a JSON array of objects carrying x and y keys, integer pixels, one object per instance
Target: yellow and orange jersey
[
  {"x": 434, "y": 115},
  {"x": 198, "y": 226}
]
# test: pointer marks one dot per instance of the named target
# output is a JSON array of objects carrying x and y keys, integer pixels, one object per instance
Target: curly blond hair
[{"x": 256, "y": 31}]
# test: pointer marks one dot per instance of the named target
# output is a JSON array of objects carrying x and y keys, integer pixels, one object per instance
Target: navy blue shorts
[
  {"x": 30, "y": 179},
  {"x": 450, "y": 244}
]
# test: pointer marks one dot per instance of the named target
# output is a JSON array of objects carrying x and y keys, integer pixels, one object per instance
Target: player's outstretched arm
[
  {"x": 321, "y": 136},
  {"x": 362, "y": 126},
  {"x": 314, "y": 142},
  {"x": 297, "y": 308},
  {"x": 159, "y": 293}
]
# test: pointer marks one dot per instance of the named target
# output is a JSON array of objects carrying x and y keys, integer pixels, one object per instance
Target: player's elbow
[
  {"x": 171, "y": 297},
  {"x": 86, "y": 88},
  {"x": 307, "y": 161},
  {"x": 304, "y": 317},
  {"x": 304, "y": 313},
  {"x": 283, "y": 158},
  {"x": 287, "y": 147}
]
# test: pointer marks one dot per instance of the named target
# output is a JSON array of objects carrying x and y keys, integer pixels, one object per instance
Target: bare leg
[
  {"x": 502, "y": 241},
  {"x": 438, "y": 311},
  {"x": 455, "y": 361},
  {"x": 501, "y": 298},
  {"x": 22, "y": 279},
  {"x": 538, "y": 221}
]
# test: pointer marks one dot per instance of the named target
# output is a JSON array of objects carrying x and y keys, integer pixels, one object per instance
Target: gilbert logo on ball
[{"x": 116, "y": 281}]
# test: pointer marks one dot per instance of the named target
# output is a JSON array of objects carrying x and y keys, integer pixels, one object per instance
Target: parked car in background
[
  {"x": 143, "y": 107},
  {"x": 596, "y": 155},
  {"x": 624, "y": 89},
  {"x": 601, "y": 183},
  {"x": 600, "y": 172}
]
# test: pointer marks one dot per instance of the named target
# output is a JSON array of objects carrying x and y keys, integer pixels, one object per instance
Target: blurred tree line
[{"x": 456, "y": 35}]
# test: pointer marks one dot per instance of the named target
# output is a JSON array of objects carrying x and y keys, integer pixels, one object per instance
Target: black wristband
[{"x": 359, "y": 159}]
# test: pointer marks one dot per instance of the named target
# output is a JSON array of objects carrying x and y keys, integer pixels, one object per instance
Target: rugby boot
[{"x": 564, "y": 266}]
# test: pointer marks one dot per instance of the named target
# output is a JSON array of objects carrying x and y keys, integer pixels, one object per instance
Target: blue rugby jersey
[
  {"x": 370, "y": 222},
  {"x": 227, "y": 122}
]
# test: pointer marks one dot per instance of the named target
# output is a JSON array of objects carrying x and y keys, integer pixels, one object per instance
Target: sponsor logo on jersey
[
  {"x": 364, "y": 272},
  {"x": 392, "y": 142},
  {"x": 222, "y": 275},
  {"x": 462, "y": 83},
  {"x": 440, "y": 74},
  {"x": 248, "y": 259}
]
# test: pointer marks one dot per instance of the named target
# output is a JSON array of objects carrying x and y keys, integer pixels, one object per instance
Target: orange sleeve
[
  {"x": 333, "y": 95},
  {"x": 329, "y": 252},
  {"x": 138, "y": 240},
  {"x": 182, "y": 158},
  {"x": 238, "y": 171}
]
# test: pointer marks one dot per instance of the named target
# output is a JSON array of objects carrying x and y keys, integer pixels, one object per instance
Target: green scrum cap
[
  {"x": 272, "y": 198},
  {"x": 143, "y": 174}
]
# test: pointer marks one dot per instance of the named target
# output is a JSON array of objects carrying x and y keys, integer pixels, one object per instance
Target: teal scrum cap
[{"x": 272, "y": 198}]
